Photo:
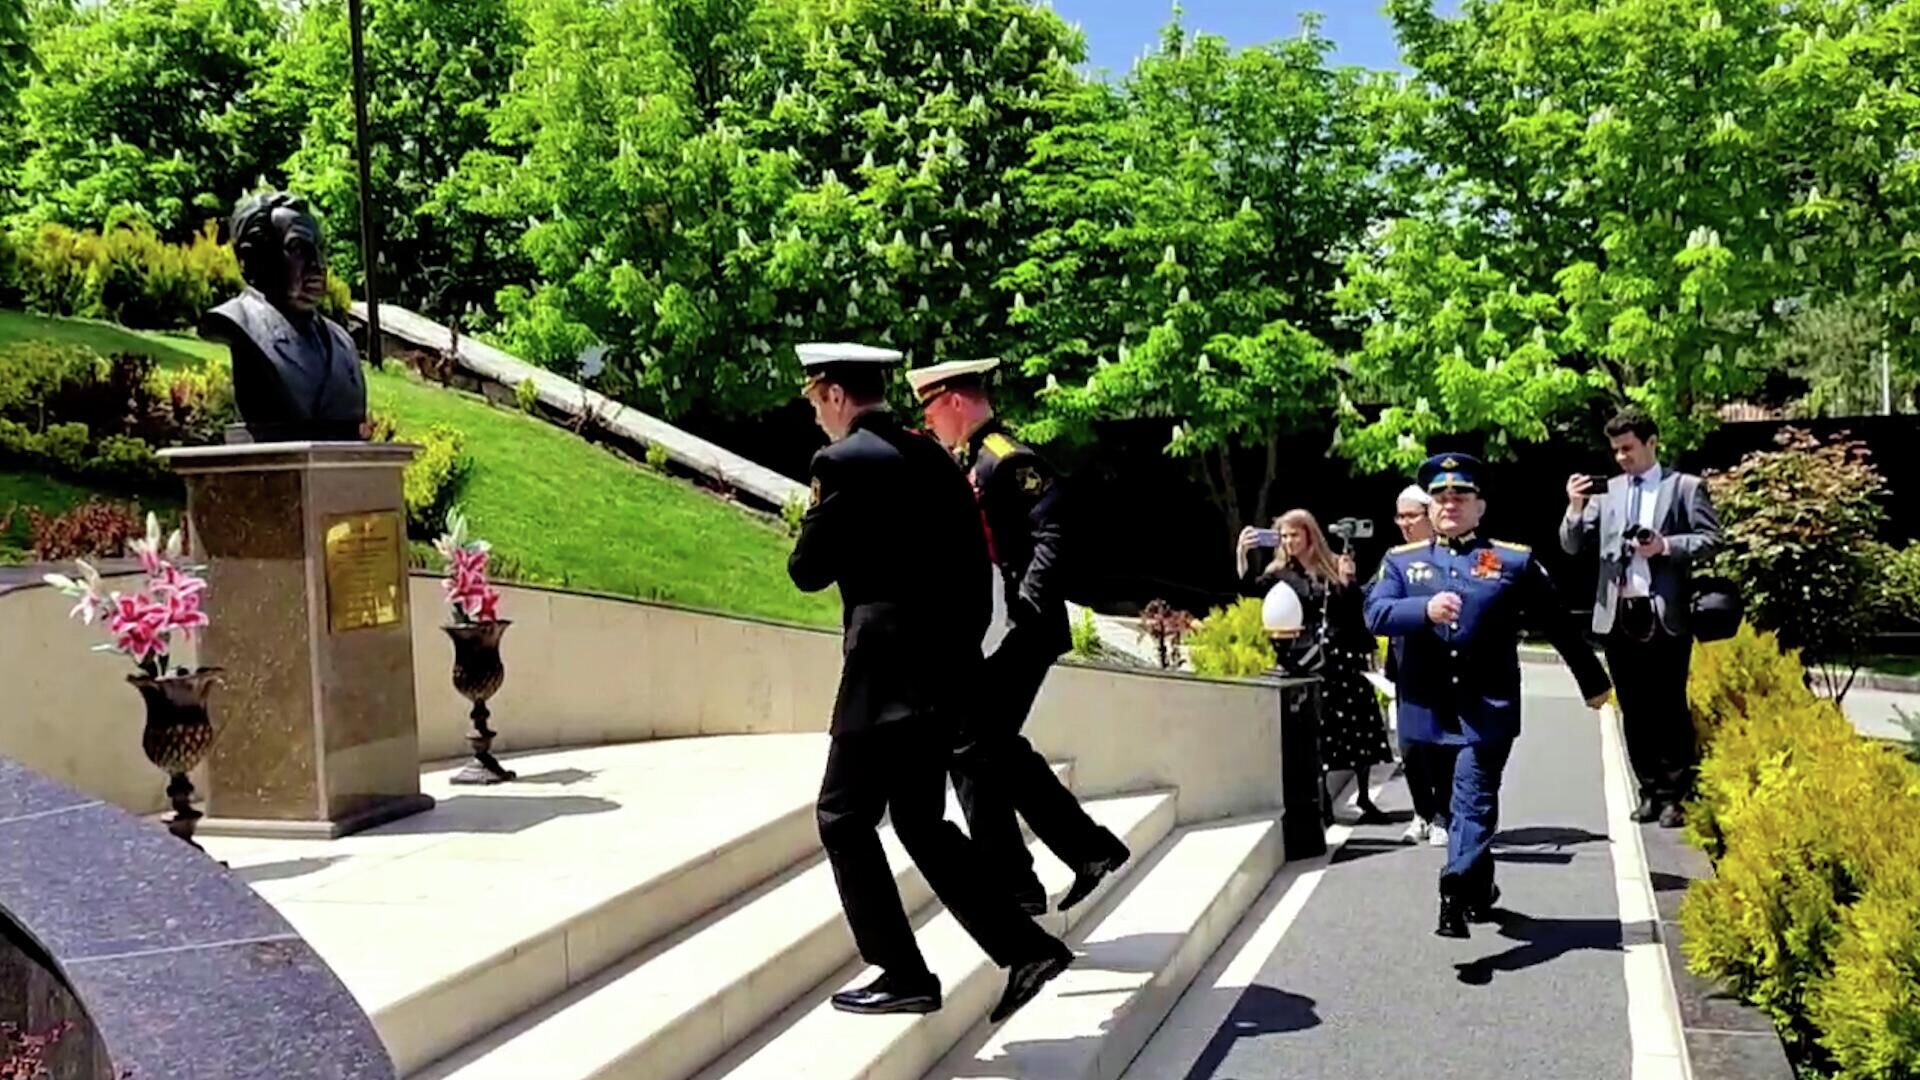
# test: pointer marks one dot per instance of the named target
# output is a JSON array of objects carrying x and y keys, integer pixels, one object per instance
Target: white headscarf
[{"x": 1413, "y": 494}]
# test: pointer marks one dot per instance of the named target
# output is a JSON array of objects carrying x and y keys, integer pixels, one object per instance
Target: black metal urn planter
[
  {"x": 475, "y": 632},
  {"x": 144, "y": 626},
  {"x": 178, "y": 734}
]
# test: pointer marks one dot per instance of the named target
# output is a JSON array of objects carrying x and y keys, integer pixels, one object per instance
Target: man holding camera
[{"x": 1652, "y": 528}]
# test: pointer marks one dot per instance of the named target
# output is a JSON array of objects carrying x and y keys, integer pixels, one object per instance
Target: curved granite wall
[{"x": 166, "y": 967}]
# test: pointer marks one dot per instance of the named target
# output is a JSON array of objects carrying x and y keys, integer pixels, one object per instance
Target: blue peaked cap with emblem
[{"x": 1451, "y": 472}]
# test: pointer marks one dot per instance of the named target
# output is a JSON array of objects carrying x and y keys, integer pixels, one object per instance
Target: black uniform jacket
[
  {"x": 893, "y": 524},
  {"x": 1023, "y": 508}
]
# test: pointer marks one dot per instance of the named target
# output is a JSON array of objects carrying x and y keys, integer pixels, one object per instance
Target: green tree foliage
[
  {"x": 149, "y": 110},
  {"x": 436, "y": 70},
  {"x": 16, "y": 51},
  {"x": 1835, "y": 349},
  {"x": 707, "y": 181},
  {"x": 1187, "y": 229},
  {"x": 1625, "y": 192}
]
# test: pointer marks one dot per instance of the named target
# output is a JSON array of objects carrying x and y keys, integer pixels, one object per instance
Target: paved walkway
[{"x": 1337, "y": 973}]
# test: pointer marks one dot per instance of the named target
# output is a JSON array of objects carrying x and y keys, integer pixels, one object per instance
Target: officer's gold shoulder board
[
  {"x": 1414, "y": 546},
  {"x": 1522, "y": 548},
  {"x": 1001, "y": 445}
]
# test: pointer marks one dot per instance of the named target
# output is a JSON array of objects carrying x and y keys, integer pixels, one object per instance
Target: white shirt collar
[{"x": 1648, "y": 479}]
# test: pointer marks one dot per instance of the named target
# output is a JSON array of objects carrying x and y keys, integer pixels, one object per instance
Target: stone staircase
[{"x": 663, "y": 911}]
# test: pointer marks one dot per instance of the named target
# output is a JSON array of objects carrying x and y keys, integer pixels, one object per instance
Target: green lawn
[
  {"x": 169, "y": 349},
  {"x": 564, "y": 510}
]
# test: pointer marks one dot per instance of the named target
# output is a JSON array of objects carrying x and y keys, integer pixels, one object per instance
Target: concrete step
[
  {"x": 449, "y": 924},
  {"x": 1143, "y": 948},
  {"x": 666, "y": 1012},
  {"x": 812, "y": 1040}
]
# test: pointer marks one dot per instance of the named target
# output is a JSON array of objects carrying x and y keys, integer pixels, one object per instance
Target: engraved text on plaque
[{"x": 366, "y": 571}]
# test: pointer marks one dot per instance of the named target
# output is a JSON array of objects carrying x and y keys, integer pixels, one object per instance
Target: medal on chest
[
  {"x": 1486, "y": 565},
  {"x": 1419, "y": 572}
]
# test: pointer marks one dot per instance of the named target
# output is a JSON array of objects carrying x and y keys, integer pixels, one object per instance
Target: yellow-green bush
[
  {"x": 1727, "y": 675},
  {"x": 1813, "y": 912},
  {"x": 126, "y": 274},
  {"x": 1231, "y": 642},
  {"x": 432, "y": 481}
]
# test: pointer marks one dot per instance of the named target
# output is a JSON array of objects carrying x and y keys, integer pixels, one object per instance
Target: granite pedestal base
[{"x": 306, "y": 555}]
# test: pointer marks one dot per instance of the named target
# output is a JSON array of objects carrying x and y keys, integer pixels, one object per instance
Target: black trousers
[
  {"x": 1649, "y": 668},
  {"x": 1000, "y": 773},
  {"x": 1429, "y": 769},
  {"x": 900, "y": 768}
]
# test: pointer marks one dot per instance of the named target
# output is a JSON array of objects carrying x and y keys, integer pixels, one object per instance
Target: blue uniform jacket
[{"x": 1461, "y": 683}]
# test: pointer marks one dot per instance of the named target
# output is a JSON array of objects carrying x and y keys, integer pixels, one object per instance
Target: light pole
[{"x": 369, "y": 250}]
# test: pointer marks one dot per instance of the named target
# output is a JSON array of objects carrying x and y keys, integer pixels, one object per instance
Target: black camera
[
  {"x": 1351, "y": 529},
  {"x": 1636, "y": 536}
]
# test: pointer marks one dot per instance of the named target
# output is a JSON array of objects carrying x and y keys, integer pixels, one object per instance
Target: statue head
[{"x": 279, "y": 247}]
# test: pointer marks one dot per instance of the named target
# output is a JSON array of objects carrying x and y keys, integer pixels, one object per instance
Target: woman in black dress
[{"x": 1352, "y": 733}]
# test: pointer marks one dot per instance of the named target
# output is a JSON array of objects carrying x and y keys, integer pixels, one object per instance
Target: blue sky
[{"x": 1118, "y": 30}]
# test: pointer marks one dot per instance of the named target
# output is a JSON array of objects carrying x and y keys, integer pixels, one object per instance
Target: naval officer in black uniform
[
  {"x": 893, "y": 525},
  {"x": 1023, "y": 511},
  {"x": 1458, "y": 601}
]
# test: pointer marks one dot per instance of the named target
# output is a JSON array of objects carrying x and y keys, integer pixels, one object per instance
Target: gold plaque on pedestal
[{"x": 366, "y": 571}]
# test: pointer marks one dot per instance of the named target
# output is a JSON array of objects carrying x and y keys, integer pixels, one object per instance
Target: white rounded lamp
[{"x": 1281, "y": 612}]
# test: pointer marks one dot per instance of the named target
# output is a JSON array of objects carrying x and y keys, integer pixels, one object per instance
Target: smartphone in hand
[{"x": 1266, "y": 538}]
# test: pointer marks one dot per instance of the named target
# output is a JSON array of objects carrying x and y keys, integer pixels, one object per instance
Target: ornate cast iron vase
[
  {"x": 477, "y": 675},
  {"x": 178, "y": 734}
]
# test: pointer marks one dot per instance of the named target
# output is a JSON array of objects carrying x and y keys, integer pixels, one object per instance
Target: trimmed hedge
[
  {"x": 126, "y": 274},
  {"x": 1813, "y": 912}
]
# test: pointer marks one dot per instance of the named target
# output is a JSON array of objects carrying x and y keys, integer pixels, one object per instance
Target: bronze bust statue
[{"x": 296, "y": 374}]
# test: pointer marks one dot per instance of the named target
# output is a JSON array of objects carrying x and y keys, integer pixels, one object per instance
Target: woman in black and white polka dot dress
[{"x": 1353, "y": 733}]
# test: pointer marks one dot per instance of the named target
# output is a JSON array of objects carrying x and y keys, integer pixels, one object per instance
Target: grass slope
[{"x": 564, "y": 510}]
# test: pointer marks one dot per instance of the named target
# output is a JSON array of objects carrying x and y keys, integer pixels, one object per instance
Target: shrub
[
  {"x": 69, "y": 410},
  {"x": 656, "y": 457},
  {"x": 1813, "y": 912},
  {"x": 791, "y": 513},
  {"x": 94, "y": 529},
  {"x": 526, "y": 395},
  {"x": 1798, "y": 526},
  {"x": 432, "y": 481},
  {"x": 1231, "y": 642},
  {"x": 1086, "y": 636},
  {"x": 1729, "y": 677},
  {"x": 1167, "y": 626},
  {"x": 1897, "y": 586},
  {"x": 127, "y": 274}
]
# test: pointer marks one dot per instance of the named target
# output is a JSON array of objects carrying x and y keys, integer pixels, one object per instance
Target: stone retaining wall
[{"x": 585, "y": 670}]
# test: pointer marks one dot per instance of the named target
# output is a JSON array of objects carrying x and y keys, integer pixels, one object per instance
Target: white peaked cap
[
  {"x": 928, "y": 378},
  {"x": 819, "y": 354}
]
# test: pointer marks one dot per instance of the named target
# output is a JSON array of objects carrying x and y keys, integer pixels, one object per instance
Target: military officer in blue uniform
[{"x": 1457, "y": 602}]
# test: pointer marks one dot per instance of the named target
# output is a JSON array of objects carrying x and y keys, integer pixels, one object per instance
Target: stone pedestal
[{"x": 306, "y": 553}]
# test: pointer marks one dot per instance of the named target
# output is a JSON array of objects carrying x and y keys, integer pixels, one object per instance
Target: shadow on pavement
[
  {"x": 1261, "y": 1010},
  {"x": 1542, "y": 941}
]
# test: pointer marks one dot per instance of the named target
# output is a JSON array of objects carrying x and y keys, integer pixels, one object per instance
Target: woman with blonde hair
[{"x": 1352, "y": 733}]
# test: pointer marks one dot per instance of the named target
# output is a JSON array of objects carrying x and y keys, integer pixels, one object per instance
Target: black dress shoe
[
  {"x": 1088, "y": 877},
  {"x": 1672, "y": 816},
  {"x": 892, "y": 994},
  {"x": 1482, "y": 910},
  {"x": 1453, "y": 918},
  {"x": 1026, "y": 978},
  {"x": 1648, "y": 810},
  {"x": 1372, "y": 815}
]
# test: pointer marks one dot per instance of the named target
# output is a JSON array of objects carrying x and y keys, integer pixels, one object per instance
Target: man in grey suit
[{"x": 1651, "y": 528}]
